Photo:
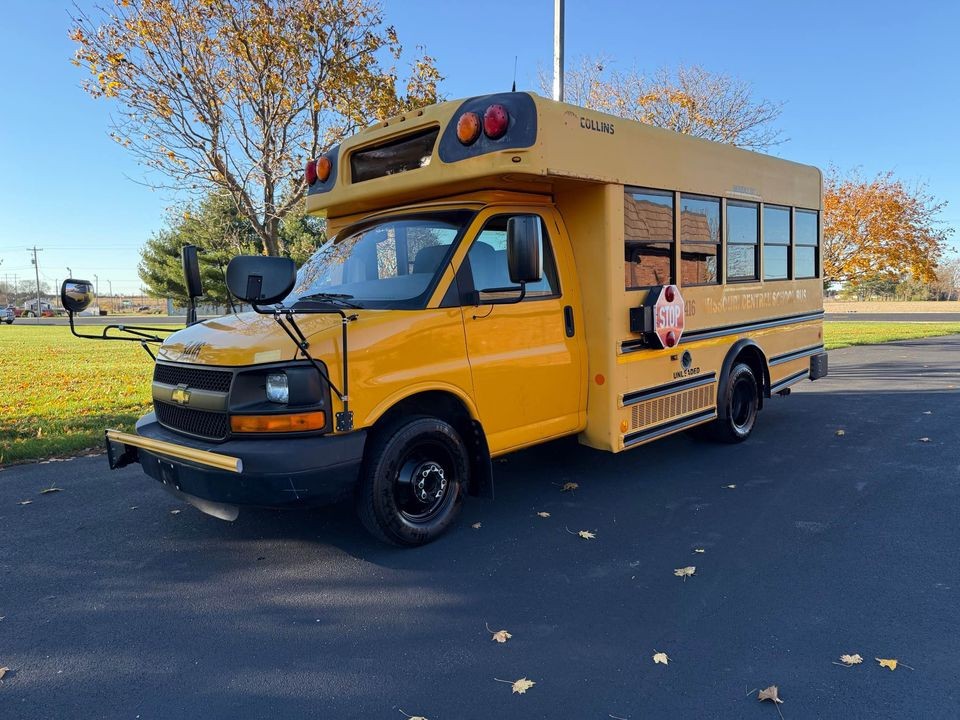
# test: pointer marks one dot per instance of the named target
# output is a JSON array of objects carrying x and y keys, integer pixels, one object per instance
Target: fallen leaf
[
  {"x": 522, "y": 685},
  {"x": 924, "y": 439},
  {"x": 685, "y": 572},
  {"x": 851, "y": 659},
  {"x": 569, "y": 487},
  {"x": 586, "y": 535},
  {"x": 659, "y": 657},
  {"x": 411, "y": 717},
  {"x": 25, "y": 502},
  {"x": 769, "y": 694},
  {"x": 927, "y": 412},
  {"x": 887, "y": 663},
  {"x": 3, "y": 671},
  {"x": 543, "y": 514},
  {"x": 476, "y": 526},
  {"x": 174, "y": 512},
  {"x": 501, "y": 636},
  {"x": 50, "y": 490},
  {"x": 729, "y": 487},
  {"x": 699, "y": 550},
  {"x": 841, "y": 433}
]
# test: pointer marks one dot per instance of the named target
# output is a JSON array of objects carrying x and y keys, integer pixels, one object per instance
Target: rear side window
[
  {"x": 699, "y": 240},
  {"x": 776, "y": 242},
  {"x": 743, "y": 237},
  {"x": 806, "y": 231}
]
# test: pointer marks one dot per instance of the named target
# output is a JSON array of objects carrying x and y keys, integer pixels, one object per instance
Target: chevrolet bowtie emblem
[{"x": 181, "y": 395}]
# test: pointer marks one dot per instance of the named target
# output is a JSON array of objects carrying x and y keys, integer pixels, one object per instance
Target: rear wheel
[
  {"x": 413, "y": 480},
  {"x": 738, "y": 404}
]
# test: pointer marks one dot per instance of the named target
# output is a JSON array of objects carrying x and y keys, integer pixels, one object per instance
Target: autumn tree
[
  {"x": 233, "y": 95},
  {"x": 220, "y": 232},
  {"x": 879, "y": 228},
  {"x": 688, "y": 99}
]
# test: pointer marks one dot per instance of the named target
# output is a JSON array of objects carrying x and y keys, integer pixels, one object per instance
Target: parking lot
[{"x": 833, "y": 530}]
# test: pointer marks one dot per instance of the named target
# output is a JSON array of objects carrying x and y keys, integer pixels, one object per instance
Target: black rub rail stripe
[
  {"x": 796, "y": 354},
  {"x": 628, "y": 346},
  {"x": 667, "y": 427},
  {"x": 632, "y": 398},
  {"x": 780, "y": 385}
]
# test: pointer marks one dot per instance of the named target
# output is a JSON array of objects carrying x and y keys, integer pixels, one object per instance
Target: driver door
[{"x": 524, "y": 356}]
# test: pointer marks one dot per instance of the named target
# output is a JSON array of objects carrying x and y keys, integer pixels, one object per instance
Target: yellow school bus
[{"x": 502, "y": 271}]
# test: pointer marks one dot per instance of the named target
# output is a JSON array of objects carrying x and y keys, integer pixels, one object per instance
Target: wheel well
[
  {"x": 447, "y": 406},
  {"x": 748, "y": 352}
]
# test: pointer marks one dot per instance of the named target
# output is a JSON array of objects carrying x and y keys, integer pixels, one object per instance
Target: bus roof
[{"x": 417, "y": 156}]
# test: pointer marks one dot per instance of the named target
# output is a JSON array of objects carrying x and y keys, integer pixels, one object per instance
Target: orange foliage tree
[
  {"x": 234, "y": 95},
  {"x": 689, "y": 100},
  {"x": 879, "y": 228}
]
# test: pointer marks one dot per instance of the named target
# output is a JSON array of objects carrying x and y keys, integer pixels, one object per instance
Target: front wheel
[
  {"x": 738, "y": 403},
  {"x": 412, "y": 482}
]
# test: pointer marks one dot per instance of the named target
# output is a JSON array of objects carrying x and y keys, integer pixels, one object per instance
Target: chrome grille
[
  {"x": 210, "y": 425},
  {"x": 193, "y": 377}
]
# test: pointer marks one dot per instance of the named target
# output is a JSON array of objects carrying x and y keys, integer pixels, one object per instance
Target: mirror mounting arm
[
  {"x": 284, "y": 317},
  {"x": 503, "y": 301},
  {"x": 139, "y": 333}
]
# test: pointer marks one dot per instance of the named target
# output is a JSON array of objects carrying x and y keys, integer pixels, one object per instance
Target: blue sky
[{"x": 865, "y": 84}]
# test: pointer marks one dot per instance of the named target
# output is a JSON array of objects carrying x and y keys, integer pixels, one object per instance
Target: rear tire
[
  {"x": 413, "y": 479},
  {"x": 739, "y": 401}
]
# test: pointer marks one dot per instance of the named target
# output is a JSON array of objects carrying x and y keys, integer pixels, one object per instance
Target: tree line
[{"x": 225, "y": 99}]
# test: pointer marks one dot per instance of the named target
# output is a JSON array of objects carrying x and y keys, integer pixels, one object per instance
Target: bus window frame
[{"x": 721, "y": 256}]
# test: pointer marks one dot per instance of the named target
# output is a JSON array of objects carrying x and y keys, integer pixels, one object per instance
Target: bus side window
[
  {"x": 648, "y": 238},
  {"x": 487, "y": 260},
  {"x": 699, "y": 240}
]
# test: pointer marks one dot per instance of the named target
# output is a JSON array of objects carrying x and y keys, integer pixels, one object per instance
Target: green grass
[
  {"x": 58, "y": 393},
  {"x": 844, "y": 334}
]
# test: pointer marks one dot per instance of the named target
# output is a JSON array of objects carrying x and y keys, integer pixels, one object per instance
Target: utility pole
[
  {"x": 36, "y": 270},
  {"x": 558, "y": 50},
  {"x": 96, "y": 281}
]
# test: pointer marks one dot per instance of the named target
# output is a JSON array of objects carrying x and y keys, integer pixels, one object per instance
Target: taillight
[
  {"x": 323, "y": 168},
  {"x": 468, "y": 128},
  {"x": 311, "y": 172},
  {"x": 495, "y": 121}
]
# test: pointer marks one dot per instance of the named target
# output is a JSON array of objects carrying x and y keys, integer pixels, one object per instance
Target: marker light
[
  {"x": 311, "y": 172},
  {"x": 323, "y": 168},
  {"x": 495, "y": 121},
  {"x": 287, "y": 422},
  {"x": 468, "y": 128},
  {"x": 669, "y": 294},
  {"x": 671, "y": 339}
]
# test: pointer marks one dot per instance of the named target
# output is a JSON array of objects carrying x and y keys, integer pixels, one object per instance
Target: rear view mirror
[
  {"x": 523, "y": 248},
  {"x": 261, "y": 280},
  {"x": 76, "y": 295},
  {"x": 191, "y": 271}
]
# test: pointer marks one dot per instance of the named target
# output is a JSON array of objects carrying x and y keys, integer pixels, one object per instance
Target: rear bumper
[{"x": 268, "y": 472}]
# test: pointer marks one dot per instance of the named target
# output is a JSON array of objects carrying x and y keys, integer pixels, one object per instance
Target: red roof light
[{"x": 495, "y": 121}]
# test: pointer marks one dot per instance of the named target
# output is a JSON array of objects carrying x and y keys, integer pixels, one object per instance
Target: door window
[{"x": 487, "y": 264}]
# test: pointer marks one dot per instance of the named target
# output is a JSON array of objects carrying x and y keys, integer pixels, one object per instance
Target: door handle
[{"x": 568, "y": 320}]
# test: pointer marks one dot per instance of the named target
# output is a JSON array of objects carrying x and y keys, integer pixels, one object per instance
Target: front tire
[
  {"x": 412, "y": 482},
  {"x": 739, "y": 402}
]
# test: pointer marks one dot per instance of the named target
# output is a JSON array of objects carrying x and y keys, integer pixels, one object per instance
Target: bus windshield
[{"x": 393, "y": 263}]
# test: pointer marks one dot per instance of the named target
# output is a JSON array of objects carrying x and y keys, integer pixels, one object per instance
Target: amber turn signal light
[
  {"x": 468, "y": 128},
  {"x": 286, "y": 422},
  {"x": 323, "y": 168}
]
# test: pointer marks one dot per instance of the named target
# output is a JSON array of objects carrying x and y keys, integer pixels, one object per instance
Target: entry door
[{"x": 524, "y": 357}]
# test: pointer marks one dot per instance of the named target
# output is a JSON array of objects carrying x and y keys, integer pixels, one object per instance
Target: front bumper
[{"x": 275, "y": 472}]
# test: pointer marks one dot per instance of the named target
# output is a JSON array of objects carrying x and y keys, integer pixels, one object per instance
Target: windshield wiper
[{"x": 341, "y": 298}]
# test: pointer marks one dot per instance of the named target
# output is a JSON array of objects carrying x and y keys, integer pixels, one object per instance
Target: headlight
[{"x": 278, "y": 390}]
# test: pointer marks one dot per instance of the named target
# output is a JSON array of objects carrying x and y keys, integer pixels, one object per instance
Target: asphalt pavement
[{"x": 119, "y": 601}]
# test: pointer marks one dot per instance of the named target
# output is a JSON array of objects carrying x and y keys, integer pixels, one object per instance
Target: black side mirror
[
  {"x": 76, "y": 295},
  {"x": 191, "y": 271},
  {"x": 523, "y": 249},
  {"x": 261, "y": 280}
]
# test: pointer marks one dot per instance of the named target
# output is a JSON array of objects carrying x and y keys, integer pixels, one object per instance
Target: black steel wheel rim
[
  {"x": 422, "y": 486},
  {"x": 741, "y": 404}
]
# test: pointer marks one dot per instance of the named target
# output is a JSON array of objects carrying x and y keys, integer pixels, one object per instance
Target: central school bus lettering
[{"x": 494, "y": 279}]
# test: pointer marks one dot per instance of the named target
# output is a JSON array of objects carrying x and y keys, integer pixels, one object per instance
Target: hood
[{"x": 237, "y": 340}]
